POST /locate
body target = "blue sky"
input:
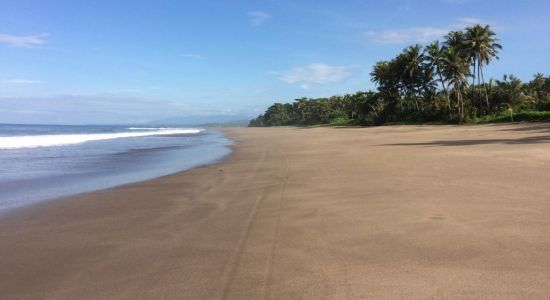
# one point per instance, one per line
(77, 61)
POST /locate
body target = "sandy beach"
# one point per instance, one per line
(392, 212)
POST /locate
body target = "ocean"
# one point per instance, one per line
(43, 162)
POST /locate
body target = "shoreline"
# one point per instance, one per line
(115, 169)
(382, 212)
(35, 204)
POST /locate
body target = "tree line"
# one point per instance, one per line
(438, 82)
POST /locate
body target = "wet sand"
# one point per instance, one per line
(316, 213)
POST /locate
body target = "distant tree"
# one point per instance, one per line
(455, 40)
(412, 72)
(481, 44)
(510, 91)
(539, 87)
(386, 75)
(408, 88)
(436, 60)
(456, 71)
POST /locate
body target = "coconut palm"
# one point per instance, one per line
(482, 46)
(455, 39)
(473, 38)
(435, 59)
(412, 72)
(537, 86)
(511, 91)
(388, 75)
(379, 73)
(456, 71)
(385, 75)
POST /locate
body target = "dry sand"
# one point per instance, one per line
(320, 213)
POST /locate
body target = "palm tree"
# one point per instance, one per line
(482, 46)
(435, 59)
(510, 91)
(413, 62)
(473, 38)
(456, 71)
(455, 39)
(537, 86)
(380, 74)
(301, 106)
(386, 76)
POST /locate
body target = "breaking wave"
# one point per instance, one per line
(33, 141)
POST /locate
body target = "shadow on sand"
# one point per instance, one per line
(520, 141)
(544, 127)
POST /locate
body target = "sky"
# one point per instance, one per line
(115, 61)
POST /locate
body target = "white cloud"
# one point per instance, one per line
(467, 21)
(418, 34)
(193, 56)
(22, 81)
(258, 18)
(23, 40)
(317, 74)
(414, 34)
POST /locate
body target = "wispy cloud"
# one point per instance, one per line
(193, 56)
(414, 34)
(85, 109)
(129, 90)
(458, 1)
(22, 81)
(418, 34)
(23, 40)
(258, 18)
(316, 74)
(465, 21)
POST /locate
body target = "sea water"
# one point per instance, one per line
(43, 162)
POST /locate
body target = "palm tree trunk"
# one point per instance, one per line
(478, 84)
(461, 107)
(446, 94)
(460, 104)
(474, 100)
(485, 88)
(417, 106)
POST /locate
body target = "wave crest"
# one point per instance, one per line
(34, 141)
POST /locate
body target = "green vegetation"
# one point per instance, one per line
(437, 83)
(523, 116)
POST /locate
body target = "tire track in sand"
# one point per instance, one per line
(234, 261)
(269, 268)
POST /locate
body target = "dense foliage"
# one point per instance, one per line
(439, 82)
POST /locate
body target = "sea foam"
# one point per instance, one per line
(33, 141)
(149, 128)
